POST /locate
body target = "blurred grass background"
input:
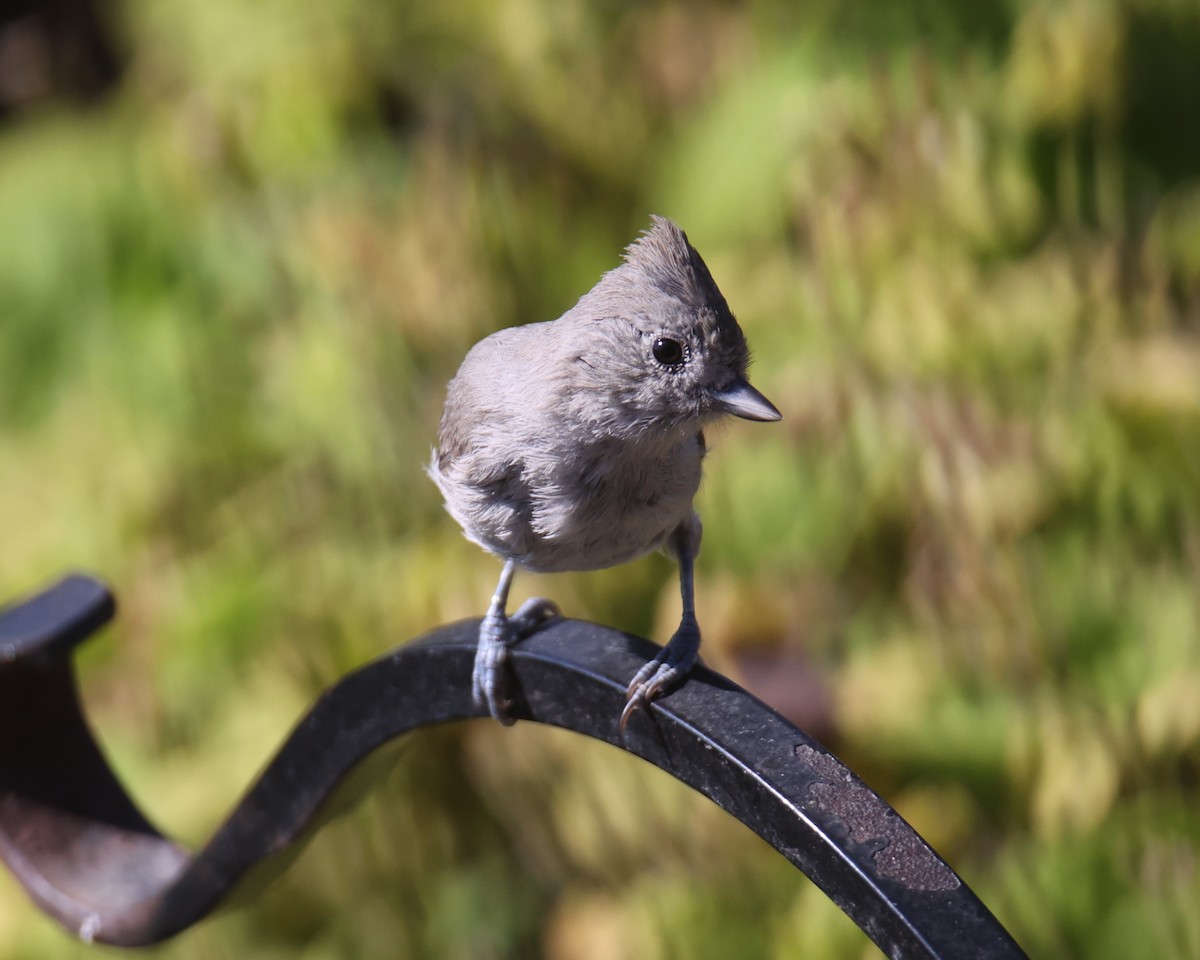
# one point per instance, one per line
(243, 246)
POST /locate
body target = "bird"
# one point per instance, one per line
(576, 444)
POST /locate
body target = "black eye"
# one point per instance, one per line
(668, 351)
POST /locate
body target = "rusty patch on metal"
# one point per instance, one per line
(902, 854)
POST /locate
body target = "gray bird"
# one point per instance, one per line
(575, 444)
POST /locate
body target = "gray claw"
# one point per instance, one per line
(487, 676)
(532, 614)
(496, 634)
(672, 663)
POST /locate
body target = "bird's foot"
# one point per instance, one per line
(669, 667)
(487, 677)
(532, 614)
(497, 633)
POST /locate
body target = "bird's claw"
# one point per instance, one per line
(497, 633)
(532, 614)
(672, 663)
(654, 678)
(487, 677)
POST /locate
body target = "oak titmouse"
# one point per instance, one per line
(575, 444)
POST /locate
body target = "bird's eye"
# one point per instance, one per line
(668, 351)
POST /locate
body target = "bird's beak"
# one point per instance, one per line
(742, 400)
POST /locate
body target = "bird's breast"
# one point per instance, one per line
(610, 503)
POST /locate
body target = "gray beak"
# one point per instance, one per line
(742, 400)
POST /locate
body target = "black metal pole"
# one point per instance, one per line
(87, 856)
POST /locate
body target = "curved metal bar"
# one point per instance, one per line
(89, 858)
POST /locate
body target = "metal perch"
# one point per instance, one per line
(90, 859)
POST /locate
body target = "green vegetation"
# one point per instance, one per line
(964, 241)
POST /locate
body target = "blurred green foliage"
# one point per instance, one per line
(964, 240)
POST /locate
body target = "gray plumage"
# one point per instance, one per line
(576, 444)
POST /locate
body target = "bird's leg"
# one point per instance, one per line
(487, 677)
(678, 657)
(497, 632)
